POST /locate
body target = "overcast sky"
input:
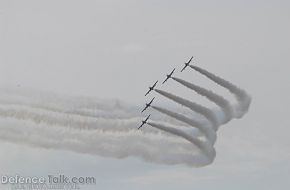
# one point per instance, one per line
(115, 49)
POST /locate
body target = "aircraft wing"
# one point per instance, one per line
(148, 92)
(151, 101)
(141, 125)
(155, 84)
(183, 68)
(147, 118)
(144, 109)
(165, 80)
(190, 59)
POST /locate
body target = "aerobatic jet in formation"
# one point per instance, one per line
(151, 88)
(148, 105)
(144, 122)
(169, 76)
(186, 64)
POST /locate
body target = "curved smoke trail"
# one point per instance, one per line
(217, 99)
(44, 126)
(204, 129)
(203, 146)
(244, 100)
(206, 112)
(108, 128)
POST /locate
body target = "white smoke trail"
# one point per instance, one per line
(83, 106)
(66, 120)
(114, 137)
(116, 144)
(203, 146)
(204, 128)
(217, 99)
(244, 100)
(207, 113)
(108, 128)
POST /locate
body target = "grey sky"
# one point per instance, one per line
(118, 48)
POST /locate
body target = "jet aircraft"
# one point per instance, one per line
(151, 88)
(186, 64)
(169, 76)
(148, 105)
(144, 122)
